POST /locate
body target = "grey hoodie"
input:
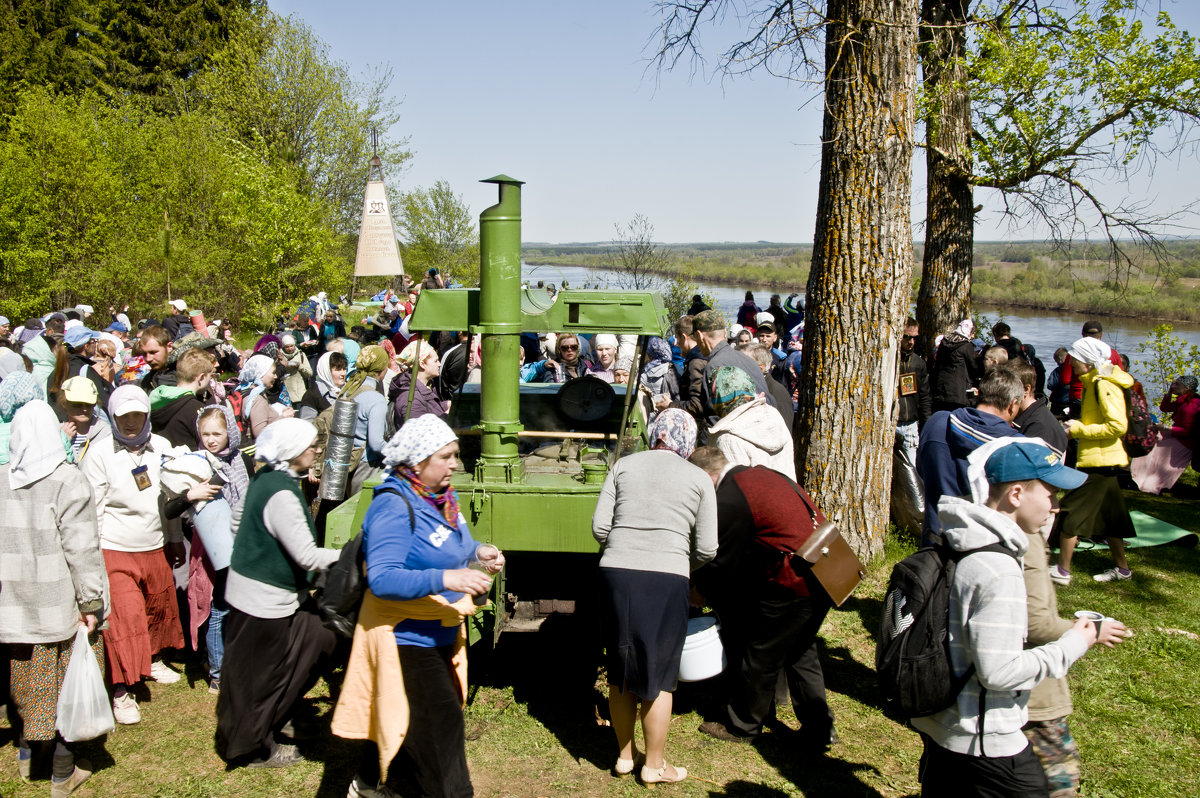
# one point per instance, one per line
(987, 627)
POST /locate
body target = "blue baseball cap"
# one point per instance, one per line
(1023, 462)
(79, 335)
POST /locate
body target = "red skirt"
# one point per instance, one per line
(145, 616)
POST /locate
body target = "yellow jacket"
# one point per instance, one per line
(373, 704)
(1104, 418)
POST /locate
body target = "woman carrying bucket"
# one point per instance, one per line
(649, 548)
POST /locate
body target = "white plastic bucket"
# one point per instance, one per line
(703, 655)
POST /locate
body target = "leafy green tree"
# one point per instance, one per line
(111, 46)
(1043, 101)
(276, 82)
(1167, 357)
(87, 186)
(61, 44)
(438, 231)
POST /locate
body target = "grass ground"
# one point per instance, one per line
(534, 728)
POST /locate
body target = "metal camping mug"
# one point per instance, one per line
(482, 598)
(1090, 615)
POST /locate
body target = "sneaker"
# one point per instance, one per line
(1060, 577)
(1113, 575)
(82, 772)
(160, 673)
(125, 710)
(360, 789)
(214, 687)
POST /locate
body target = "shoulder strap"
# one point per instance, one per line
(412, 518)
(804, 497)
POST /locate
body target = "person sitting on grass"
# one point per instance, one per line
(1161, 469)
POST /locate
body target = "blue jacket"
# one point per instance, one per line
(948, 437)
(406, 558)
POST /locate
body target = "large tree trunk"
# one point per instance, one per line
(861, 275)
(945, 295)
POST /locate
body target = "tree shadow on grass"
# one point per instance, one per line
(812, 773)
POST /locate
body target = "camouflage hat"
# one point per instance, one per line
(192, 340)
(708, 321)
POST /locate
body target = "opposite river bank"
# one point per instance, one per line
(1046, 330)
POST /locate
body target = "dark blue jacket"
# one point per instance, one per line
(949, 436)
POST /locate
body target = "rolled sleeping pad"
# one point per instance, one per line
(335, 474)
(198, 321)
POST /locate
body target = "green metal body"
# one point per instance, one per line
(536, 507)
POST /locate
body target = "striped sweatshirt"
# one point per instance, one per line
(988, 620)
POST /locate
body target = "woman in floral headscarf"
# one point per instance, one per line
(256, 378)
(1161, 469)
(17, 390)
(649, 547)
(658, 375)
(750, 432)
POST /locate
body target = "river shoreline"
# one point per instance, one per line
(784, 288)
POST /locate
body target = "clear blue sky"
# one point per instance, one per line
(561, 94)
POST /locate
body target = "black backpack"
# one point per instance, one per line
(340, 593)
(912, 647)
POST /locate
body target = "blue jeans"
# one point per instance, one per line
(216, 641)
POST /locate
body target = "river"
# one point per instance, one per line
(1044, 330)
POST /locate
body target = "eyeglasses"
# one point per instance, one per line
(569, 348)
(909, 337)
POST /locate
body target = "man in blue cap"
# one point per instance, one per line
(976, 746)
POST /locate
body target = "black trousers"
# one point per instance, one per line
(946, 774)
(269, 665)
(764, 638)
(436, 739)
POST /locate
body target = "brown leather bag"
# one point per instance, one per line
(833, 562)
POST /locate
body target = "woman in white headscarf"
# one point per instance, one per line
(296, 368)
(126, 480)
(420, 557)
(275, 643)
(54, 581)
(957, 370)
(1096, 509)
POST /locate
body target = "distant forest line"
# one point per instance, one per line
(1025, 274)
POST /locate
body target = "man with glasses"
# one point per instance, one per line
(915, 402)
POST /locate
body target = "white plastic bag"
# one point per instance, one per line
(83, 709)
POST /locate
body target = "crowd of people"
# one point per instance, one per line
(993, 451)
(160, 482)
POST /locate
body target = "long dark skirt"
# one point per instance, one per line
(269, 665)
(645, 623)
(1095, 510)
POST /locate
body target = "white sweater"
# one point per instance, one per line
(130, 519)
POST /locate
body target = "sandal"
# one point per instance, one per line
(659, 775)
(626, 766)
